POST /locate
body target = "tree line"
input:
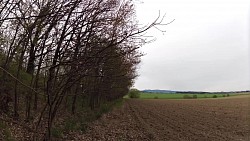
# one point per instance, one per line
(55, 52)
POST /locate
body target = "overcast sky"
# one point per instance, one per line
(206, 48)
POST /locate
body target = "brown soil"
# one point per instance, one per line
(225, 119)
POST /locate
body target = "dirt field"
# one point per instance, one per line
(224, 119)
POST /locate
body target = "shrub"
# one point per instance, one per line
(134, 93)
(223, 95)
(227, 95)
(214, 96)
(187, 97)
(194, 96)
(156, 97)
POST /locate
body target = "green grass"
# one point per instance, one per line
(6, 132)
(85, 116)
(177, 96)
(56, 132)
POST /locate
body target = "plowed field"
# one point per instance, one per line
(225, 119)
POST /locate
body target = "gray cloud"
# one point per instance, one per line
(206, 48)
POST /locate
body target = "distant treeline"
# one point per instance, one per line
(189, 92)
(192, 92)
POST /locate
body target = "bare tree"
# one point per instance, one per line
(82, 49)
